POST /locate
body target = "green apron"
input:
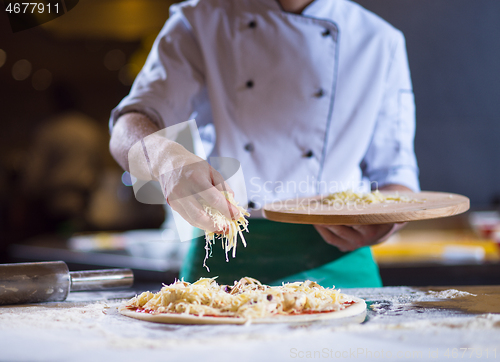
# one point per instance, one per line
(279, 252)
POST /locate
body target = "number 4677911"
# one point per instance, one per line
(25, 8)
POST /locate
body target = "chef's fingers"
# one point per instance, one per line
(216, 199)
(192, 211)
(374, 234)
(348, 238)
(352, 236)
(219, 182)
(334, 239)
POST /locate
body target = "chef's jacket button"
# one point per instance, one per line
(249, 84)
(320, 93)
(309, 154)
(251, 205)
(249, 147)
(252, 24)
(326, 32)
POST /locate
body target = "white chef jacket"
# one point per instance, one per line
(311, 103)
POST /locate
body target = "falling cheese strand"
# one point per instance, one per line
(230, 228)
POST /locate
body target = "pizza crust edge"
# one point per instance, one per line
(169, 318)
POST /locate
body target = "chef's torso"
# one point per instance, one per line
(310, 103)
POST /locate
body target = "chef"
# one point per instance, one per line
(309, 96)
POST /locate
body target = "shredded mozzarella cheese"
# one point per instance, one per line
(230, 229)
(374, 197)
(247, 298)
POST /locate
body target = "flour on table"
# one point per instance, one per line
(52, 315)
(450, 293)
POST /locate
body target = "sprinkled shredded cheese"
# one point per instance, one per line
(374, 197)
(247, 298)
(230, 228)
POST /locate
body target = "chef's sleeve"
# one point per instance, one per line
(390, 158)
(167, 87)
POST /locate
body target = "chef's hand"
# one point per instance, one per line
(186, 179)
(349, 238)
(352, 237)
(191, 182)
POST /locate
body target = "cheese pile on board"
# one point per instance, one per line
(375, 197)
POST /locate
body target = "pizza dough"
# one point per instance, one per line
(356, 309)
(206, 302)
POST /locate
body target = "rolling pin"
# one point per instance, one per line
(52, 281)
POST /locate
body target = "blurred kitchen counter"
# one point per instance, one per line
(439, 252)
(432, 252)
(146, 252)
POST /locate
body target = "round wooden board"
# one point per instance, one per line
(356, 309)
(426, 205)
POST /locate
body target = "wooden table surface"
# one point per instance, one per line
(408, 322)
(483, 299)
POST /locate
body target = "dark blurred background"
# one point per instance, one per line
(58, 84)
(59, 81)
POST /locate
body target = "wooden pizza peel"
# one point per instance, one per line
(423, 205)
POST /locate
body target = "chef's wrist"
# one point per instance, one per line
(152, 154)
(168, 157)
